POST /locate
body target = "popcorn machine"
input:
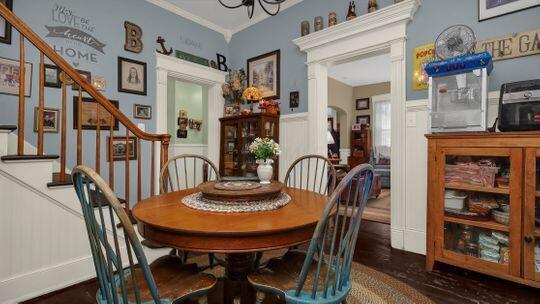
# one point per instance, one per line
(458, 93)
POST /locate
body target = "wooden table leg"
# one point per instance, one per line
(237, 289)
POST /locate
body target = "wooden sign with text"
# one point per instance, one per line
(511, 46)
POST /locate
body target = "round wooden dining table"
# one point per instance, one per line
(165, 220)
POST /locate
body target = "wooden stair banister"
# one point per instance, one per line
(68, 72)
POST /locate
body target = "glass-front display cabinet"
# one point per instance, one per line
(237, 134)
(483, 203)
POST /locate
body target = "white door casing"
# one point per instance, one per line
(167, 66)
(383, 31)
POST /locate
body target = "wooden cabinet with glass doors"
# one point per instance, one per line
(484, 203)
(237, 133)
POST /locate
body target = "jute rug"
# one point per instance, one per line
(369, 286)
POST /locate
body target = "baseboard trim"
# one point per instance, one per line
(396, 238)
(415, 240)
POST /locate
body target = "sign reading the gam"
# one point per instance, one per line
(512, 46)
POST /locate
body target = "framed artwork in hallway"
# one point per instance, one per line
(264, 73)
(488, 9)
(362, 104)
(51, 120)
(131, 76)
(10, 77)
(120, 148)
(91, 112)
(5, 27)
(142, 111)
(363, 120)
(52, 76)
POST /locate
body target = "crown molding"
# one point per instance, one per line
(285, 5)
(192, 17)
(227, 33)
(400, 12)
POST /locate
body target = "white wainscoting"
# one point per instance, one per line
(178, 149)
(414, 233)
(293, 140)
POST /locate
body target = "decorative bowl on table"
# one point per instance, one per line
(237, 185)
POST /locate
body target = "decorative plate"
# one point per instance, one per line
(196, 201)
(237, 185)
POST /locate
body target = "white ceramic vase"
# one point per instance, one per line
(265, 171)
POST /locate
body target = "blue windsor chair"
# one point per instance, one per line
(166, 280)
(182, 172)
(322, 275)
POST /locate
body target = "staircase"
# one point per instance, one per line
(44, 240)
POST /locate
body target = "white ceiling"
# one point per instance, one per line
(211, 14)
(375, 69)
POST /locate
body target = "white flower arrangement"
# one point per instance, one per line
(264, 148)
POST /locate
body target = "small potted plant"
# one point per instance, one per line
(265, 151)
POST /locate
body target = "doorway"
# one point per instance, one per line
(359, 98)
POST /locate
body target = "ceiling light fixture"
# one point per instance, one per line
(250, 5)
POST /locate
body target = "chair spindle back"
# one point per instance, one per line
(335, 237)
(101, 210)
(312, 172)
(187, 171)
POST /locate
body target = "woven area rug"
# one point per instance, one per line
(369, 286)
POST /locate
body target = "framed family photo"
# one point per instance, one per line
(10, 77)
(51, 120)
(294, 99)
(362, 104)
(488, 9)
(142, 111)
(5, 27)
(120, 147)
(231, 110)
(89, 114)
(52, 76)
(264, 73)
(131, 76)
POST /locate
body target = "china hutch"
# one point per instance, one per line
(484, 203)
(360, 147)
(237, 133)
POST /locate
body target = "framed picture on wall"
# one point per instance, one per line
(5, 27)
(294, 99)
(120, 147)
(142, 111)
(131, 76)
(263, 73)
(52, 76)
(488, 9)
(10, 77)
(51, 120)
(87, 75)
(362, 104)
(89, 114)
(363, 120)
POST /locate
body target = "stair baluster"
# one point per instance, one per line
(22, 84)
(41, 102)
(62, 174)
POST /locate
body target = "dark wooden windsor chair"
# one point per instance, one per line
(313, 173)
(166, 280)
(186, 171)
(322, 275)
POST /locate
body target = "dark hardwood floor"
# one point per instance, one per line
(446, 284)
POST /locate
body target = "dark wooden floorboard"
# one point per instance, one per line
(446, 284)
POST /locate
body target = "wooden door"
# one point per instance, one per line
(230, 163)
(481, 244)
(531, 216)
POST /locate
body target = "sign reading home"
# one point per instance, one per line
(512, 46)
(75, 36)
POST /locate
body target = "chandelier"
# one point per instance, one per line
(250, 5)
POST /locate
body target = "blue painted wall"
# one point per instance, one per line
(432, 18)
(107, 17)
